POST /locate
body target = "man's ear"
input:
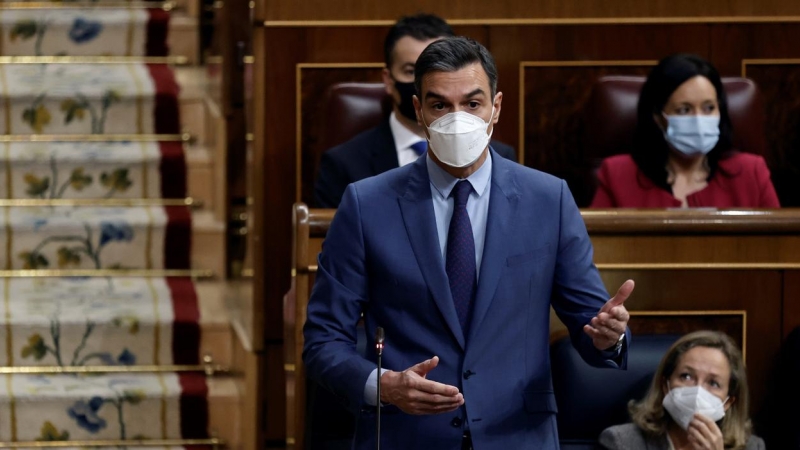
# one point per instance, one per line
(388, 82)
(418, 110)
(498, 103)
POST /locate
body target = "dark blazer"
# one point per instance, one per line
(381, 258)
(370, 153)
(631, 437)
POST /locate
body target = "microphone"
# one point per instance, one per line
(379, 337)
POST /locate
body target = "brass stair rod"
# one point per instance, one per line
(102, 4)
(213, 442)
(173, 60)
(212, 369)
(184, 137)
(101, 202)
(142, 273)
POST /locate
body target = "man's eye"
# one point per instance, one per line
(474, 105)
(438, 106)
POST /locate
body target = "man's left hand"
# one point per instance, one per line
(612, 320)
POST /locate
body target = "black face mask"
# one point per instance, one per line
(407, 91)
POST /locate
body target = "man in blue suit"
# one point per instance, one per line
(399, 139)
(459, 257)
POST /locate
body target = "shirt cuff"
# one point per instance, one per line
(613, 354)
(371, 387)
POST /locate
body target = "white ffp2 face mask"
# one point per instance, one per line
(683, 402)
(459, 138)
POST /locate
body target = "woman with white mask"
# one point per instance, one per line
(698, 400)
(682, 153)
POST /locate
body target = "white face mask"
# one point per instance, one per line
(459, 138)
(683, 402)
(692, 135)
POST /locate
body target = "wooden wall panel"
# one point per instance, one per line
(313, 85)
(512, 45)
(289, 10)
(780, 85)
(555, 96)
(678, 323)
(791, 305)
(759, 293)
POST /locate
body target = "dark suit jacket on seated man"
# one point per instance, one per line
(396, 141)
(370, 153)
(465, 306)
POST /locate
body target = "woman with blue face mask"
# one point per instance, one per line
(697, 400)
(682, 154)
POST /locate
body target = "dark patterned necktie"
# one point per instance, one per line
(420, 147)
(460, 262)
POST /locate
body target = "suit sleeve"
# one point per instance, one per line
(578, 291)
(602, 196)
(610, 440)
(335, 306)
(331, 182)
(767, 196)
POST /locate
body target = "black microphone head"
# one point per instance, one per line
(379, 336)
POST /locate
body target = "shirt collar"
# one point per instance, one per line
(403, 137)
(444, 183)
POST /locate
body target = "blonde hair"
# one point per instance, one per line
(649, 414)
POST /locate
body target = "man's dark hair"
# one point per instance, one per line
(452, 54)
(650, 149)
(420, 27)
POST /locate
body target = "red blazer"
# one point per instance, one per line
(742, 182)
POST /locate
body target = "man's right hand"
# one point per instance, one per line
(413, 394)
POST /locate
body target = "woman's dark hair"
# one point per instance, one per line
(650, 149)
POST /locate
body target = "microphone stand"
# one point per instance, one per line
(379, 337)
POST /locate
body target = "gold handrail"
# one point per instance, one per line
(213, 442)
(173, 60)
(101, 202)
(143, 273)
(184, 137)
(210, 370)
(166, 6)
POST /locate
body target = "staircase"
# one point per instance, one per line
(113, 332)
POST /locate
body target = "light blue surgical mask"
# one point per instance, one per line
(692, 135)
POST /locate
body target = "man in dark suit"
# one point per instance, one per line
(458, 257)
(398, 140)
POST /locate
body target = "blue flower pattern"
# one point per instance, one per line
(126, 358)
(84, 30)
(115, 231)
(85, 414)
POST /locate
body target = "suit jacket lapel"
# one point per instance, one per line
(384, 152)
(502, 207)
(417, 209)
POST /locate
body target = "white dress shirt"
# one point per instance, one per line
(403, 140)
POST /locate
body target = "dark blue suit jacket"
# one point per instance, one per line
(368, 154)
(381, 257)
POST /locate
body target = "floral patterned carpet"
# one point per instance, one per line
(104, 321)
(84, 32)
